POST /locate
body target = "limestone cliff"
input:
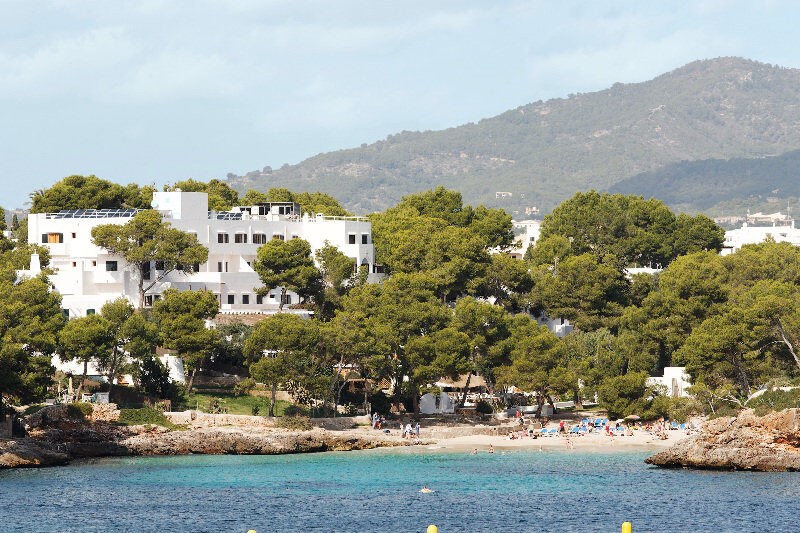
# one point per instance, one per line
(746, 442)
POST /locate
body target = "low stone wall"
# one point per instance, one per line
(200, 419)
(341, 422)
(206, 420)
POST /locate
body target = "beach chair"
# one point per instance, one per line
(574, 430)
(553, 432)
(598, 423)
(682, 426)
(584, 421)
(674, 425)
(543, 432)
(583, 429)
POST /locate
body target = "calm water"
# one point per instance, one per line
(378, 491)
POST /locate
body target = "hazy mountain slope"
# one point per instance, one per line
(700, 185)
(720, 108)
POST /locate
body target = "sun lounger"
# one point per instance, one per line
(574, 430)
(552, 432)
(682, 426)
(674, 425)
(543, 431)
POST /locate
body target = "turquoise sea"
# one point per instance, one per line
(378, 491)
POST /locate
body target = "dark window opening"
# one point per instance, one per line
(365, 239)
(240, 238)
(246, 299)
(230, 298)
(351, 239)
(111, 266)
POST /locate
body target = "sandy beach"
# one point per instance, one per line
(640, 440)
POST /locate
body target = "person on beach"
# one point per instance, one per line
(408, 430)
(416, 429)
(491, 448)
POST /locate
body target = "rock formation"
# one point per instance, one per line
(746, 442)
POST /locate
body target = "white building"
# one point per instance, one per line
(87, 276)
(527, 233)
(675, 379)
(736, 238)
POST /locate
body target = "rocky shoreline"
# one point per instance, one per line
(56, 436)
(746, 442)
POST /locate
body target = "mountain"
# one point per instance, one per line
(711, 183)
(544, 152)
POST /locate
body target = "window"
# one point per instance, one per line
(74, 264)
(89, 312)
(259, 299)
(111, 266)
(146, 271)
(351, 239)
(159, 265)
(65, 313)
(230, 298)
(219, 266)
(277, 236)
(148, 300)
(246, 299)
(295, 236)
(52, 238)
(259, 238)
(287, 299)
(364, 239)
(240, 238)
(74, 235)
(94, 263)
(223, 237)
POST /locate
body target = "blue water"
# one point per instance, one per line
(378, 491)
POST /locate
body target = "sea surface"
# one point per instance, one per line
(378, 490)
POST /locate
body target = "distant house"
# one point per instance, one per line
(747, 234)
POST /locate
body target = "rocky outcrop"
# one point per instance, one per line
(243, 441)
(19, 453)
(746, 442)
(60, 433)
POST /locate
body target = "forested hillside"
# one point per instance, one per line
(545, 151)
(708, 184)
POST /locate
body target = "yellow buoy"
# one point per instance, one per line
(627, 527)
(251, 531)
(432, 529)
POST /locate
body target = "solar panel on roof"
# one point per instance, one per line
(94, 213)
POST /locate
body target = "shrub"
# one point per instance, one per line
(244, 387)
(79, 410)
(294, 422)
(254, 410)
(294, 410)
(143, 416)
(483, 407)
(775, 400)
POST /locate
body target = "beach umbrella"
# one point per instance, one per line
(632, 417)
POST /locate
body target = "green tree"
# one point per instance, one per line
(221, 197)
(288, 265)
(338, 275)
(624, 395)
(89, 192)
(536, 366)
(30, 319)
(181, 319)
(589, 292)
(85, 339)
(443, 353)
(488, 329)
(635, 230)
(133, 336)
(145, 239)
(508, 281)
(282, 346)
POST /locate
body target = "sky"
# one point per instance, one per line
(153, 92)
